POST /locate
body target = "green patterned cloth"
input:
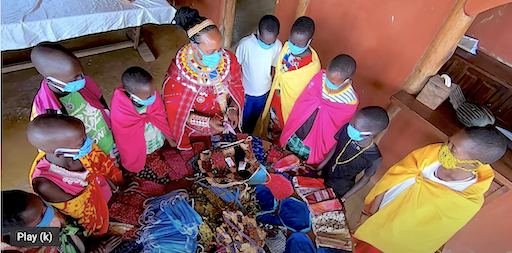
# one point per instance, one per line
(295, 145)
(95, 125)
(155, 139)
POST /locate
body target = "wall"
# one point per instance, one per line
(387, 38)
(211, 9)
(494, 30)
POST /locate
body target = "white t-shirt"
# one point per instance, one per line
(256, 63)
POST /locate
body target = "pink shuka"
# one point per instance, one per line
(329, 119)
(72, 182)
(128, 128)
(46, 100)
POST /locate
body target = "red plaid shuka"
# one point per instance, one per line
(185, 93)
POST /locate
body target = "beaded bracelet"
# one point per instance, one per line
(200, 121)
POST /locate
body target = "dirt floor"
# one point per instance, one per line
(19, 88)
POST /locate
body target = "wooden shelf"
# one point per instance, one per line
(443, 123)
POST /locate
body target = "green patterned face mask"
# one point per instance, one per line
(448, 161)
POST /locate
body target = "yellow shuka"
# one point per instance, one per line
(427, 214)
(291, 84)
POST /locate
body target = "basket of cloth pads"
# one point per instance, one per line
(328, 215)
(212, 203)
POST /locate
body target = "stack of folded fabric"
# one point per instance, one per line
(329, 223)
(170, 224)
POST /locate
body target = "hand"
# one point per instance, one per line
(172, 142)
(362, 219)
(130, 187)
(106, 246)
(217, 125)
(233, 118)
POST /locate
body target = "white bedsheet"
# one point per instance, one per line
(25, 23)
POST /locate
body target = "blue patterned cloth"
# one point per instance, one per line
(257, 148)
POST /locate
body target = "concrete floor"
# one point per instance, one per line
(19, 88)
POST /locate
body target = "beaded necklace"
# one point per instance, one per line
(351, 158)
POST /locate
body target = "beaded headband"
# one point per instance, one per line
(197, 28)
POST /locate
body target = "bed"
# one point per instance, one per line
(25, 23)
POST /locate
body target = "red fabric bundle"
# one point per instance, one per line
(325, 206)
(280, 187)
(131, 198)
(309, 182)
(179, 167)
(287, 163)
(198, 147)
(242, 136)
(186, 155)
(274, 155)
(320, 196)
(218, 160)
(149, 188)
(125, 213)
(156, 164)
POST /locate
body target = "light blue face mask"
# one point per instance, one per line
(261, 176)
(209, 60)
(355, 134)
(47, 217)
(295, 50)
(331, 85)
(70, 87)
(76, 153)
(144, 102)
(263, 44)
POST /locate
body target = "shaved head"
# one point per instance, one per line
(52, 59)
(48, 132)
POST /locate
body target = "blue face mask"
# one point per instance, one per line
(263, 44)
(356, 135)
(47, 217)
(144, 102)
(295, 50)
(331, 85)
(70, 87)
(209, 60)
(76, 153)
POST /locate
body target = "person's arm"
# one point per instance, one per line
(215, 123)
(233, 115)
(49, 191)
(104, 102)
(272, 72)
(171, 141)
(368, 173)
(327, 158)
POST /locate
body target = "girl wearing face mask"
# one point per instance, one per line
(297, 64)
(141, 130)
(31, 211)
(203, 92)
(71, 172)
(65, 89)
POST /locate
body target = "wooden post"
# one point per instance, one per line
(228, 21)
(441, 49)
(393, 109)
(301, 8)
(137, 37)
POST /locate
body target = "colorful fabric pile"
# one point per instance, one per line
(240, 233)
(329, 223)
